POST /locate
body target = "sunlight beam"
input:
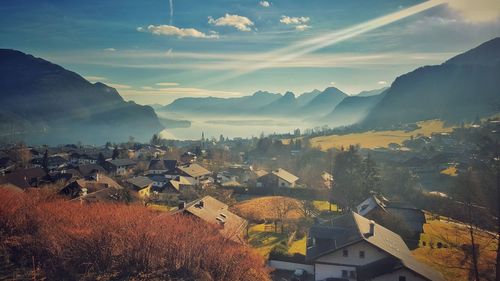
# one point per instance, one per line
(308, 46)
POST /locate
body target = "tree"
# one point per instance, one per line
(100, 159)
(116, 153)
(155, 140)
(347, 171)
(45, 161)
(307, 208)
(370, 175)
(281, 208)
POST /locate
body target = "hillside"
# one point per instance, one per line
(460, 90)
(45, 103)
(351, 110)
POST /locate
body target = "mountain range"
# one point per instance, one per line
(46, 103)
(460, 90)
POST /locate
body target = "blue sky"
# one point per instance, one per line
(155, 51)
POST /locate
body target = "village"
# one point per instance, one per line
(289, 201)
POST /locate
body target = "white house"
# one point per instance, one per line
(355, 248)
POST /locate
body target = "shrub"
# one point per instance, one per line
(73, 241)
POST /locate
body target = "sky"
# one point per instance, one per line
(154, 51)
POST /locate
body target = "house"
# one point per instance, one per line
(413, 218)
(85, 187)
(141, 184)
(6, 165)
(53, 162)
(161, 166)
(188, 158)
(195, 171)
(278, 178)
(87, 169)
(120, 166)
(82, 159)
(149, 150)
(216, 213)
(355, 248)
(25, 178)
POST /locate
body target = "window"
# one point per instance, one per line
(344, 273)
(361, 254)
(352, 274)
(345, 253)
(402, 278)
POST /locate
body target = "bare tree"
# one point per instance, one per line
(281, 208)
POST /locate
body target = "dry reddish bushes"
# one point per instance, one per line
(73, 241)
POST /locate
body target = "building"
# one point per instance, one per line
(216, 213)
(413, 218)
(195, 171)
(141, 184)
(355, 248)
(25, 178)
(278, 178)
(161, 166)
(120, 166)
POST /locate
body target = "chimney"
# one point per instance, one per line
(182, 205)
(371, 232)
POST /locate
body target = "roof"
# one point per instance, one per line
(371, 203)
(23, 178)
(87, 169)
(260, 173)
(231, 183)
(194, 170)
(140, 182)
(160, 164)
(352, 228)
(285, 175)
(122, 162)
(215, 212)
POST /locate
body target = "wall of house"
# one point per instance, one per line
(282, 183)
(410, 276)
(324, 271)
(371, 254)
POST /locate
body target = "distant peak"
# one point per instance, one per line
(289, 95)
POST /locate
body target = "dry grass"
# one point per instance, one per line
(374, 139)
(450, 259)
(262, 208)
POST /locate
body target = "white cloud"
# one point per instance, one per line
(332, 83)
(382, 82)
(95, 78)
(170, 30)
(264, 4)
(294, 20)
(477, 10)
(119, 86)
(147, 88)
(302, 27)
(110, 49)
(167, 84)
(239, 22)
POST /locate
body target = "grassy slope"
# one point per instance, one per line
(374, 139)
(449, 260)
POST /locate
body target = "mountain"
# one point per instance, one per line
(285, 105)
(221, 106)
(305, 98)
(372, 92)
(461, 89)
(45, 103)
(323, 103)
(351, 110)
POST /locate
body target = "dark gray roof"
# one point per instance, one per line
(140, 182)
(352, 228)
(122, 162)
(87, 169)
(160, 164)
